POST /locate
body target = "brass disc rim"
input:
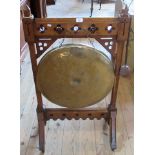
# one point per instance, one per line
(52, 52)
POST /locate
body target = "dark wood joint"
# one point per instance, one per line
(41, 117)
(112, 109)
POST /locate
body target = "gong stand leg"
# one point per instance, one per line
(40, 110)
(113, 130)
(112, 106)
(41, 130)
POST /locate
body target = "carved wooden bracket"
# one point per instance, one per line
(43, 44)
(108, 44)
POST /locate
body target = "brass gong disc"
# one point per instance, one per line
(75, 76)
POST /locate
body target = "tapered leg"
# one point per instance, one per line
(41, 124)
(113, 130)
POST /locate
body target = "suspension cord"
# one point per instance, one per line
(62, 42)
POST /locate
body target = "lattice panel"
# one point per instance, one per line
(42, 45)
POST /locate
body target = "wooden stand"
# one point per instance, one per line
(111, 33)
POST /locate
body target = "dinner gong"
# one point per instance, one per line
(75, 76)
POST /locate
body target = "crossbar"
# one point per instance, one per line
(62, 113)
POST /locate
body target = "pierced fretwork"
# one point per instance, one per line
(108, 44)
(43, 44)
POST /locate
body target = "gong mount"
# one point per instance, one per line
(39, 29)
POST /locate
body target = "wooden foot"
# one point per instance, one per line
(41, 124)
(113, 130)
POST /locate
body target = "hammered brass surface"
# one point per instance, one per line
(75, 76)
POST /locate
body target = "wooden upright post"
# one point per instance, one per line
(40, 110)
(112, 107)
(122, 36)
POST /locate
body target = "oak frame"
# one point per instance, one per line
(119, 36)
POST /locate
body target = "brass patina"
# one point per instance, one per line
(75, 76)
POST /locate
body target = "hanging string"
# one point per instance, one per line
(90, 39)
(91, 42)
(62, 42)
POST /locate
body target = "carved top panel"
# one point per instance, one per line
(85, 27)
(77, 28)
